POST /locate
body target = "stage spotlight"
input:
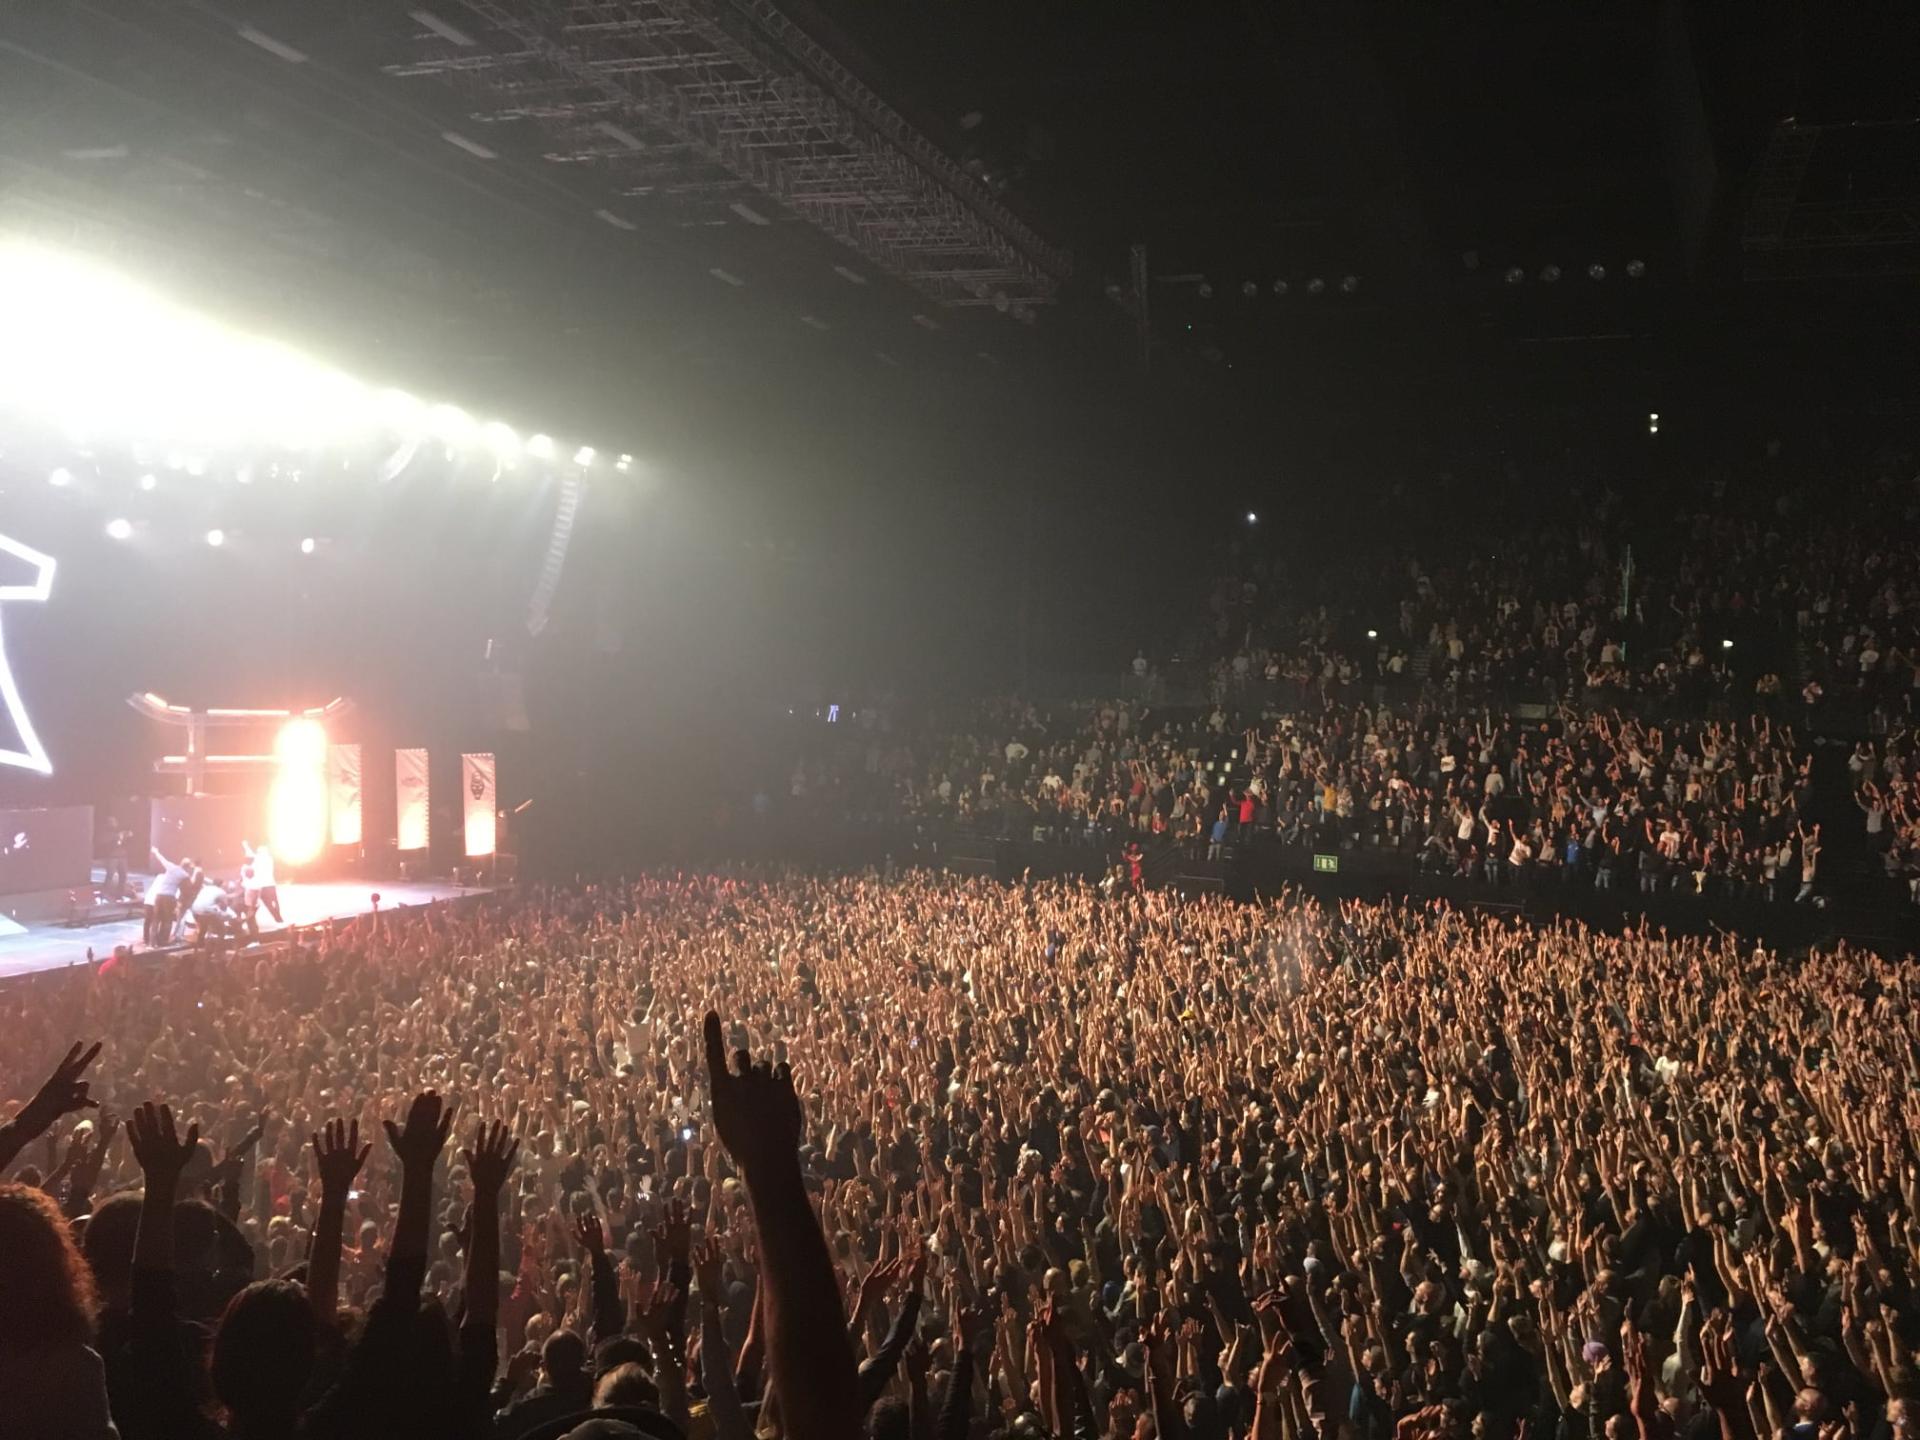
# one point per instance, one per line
(1316, 286)
(120, 529)
(540, 447)
(1279, 287)
(60, 478)
(1253, 518)
(1726, 644)
(1550, 273)
(307, 546)
(504, 443)
(623, 464)
(1249, 289)
(1206, 290)
(1349, 284)
(297, 800)
(1653, 423)
(1515, 275)
(149, 482)
(452, 424)
(583, 456)
(301, 741)
(1596, 271)
(1636, 268)
(216, 538)
(1373, 634)
(399, 409)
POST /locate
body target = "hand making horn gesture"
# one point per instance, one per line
(755, 1109)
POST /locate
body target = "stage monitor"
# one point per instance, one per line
(46, 849)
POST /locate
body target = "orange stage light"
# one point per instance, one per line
(297, 800)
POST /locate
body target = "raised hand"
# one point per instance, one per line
(85, 1163)
(63, 1093)
(655, 1317)
(707, 1261)
(159, 1147)
(877, 1282)
(673, 1236)
(917, 1361)
(591, 1234)
(429, 1122)
(970, 1327)
(490, 1160)
(338, 1156)
(235, 1159)
(755, 1110)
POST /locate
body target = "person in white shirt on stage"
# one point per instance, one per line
(163, 898)
(213, 914)
(262, 887)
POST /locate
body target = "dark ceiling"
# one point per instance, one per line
(1423, 151)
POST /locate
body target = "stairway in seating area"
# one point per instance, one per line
(1849, 871)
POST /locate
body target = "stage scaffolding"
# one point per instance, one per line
(714, 103)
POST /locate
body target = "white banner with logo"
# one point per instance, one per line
(344, 791)
(412, 817)
(477, 780)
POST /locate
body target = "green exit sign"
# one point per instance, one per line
(1326, 864)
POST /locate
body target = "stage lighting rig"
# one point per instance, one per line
(92, 353)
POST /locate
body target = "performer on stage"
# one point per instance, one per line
(118, 838)
(213, 914)
(163, 898)
(261, 886)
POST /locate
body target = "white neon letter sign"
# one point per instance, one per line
(34, 755)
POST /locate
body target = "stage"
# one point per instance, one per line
(27, 949)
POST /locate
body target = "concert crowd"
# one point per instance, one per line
(1582, 699)
(953, 1158)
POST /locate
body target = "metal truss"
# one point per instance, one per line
(711, 101)
(1777, 179)
(1786, 237)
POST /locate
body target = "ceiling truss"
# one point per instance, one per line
(718, 101)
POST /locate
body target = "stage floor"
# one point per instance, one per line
(24, 950)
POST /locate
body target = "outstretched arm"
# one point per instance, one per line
(716, 1359)
(758, 1119)
(378, 1381)
(63, 1093)
(418, 1145)
(338, 1156)
(489, 1163)
(609, 1315)
(160, 1376)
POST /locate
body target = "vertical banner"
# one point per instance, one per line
(411, 816)
(343, 785)
(477, 781)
